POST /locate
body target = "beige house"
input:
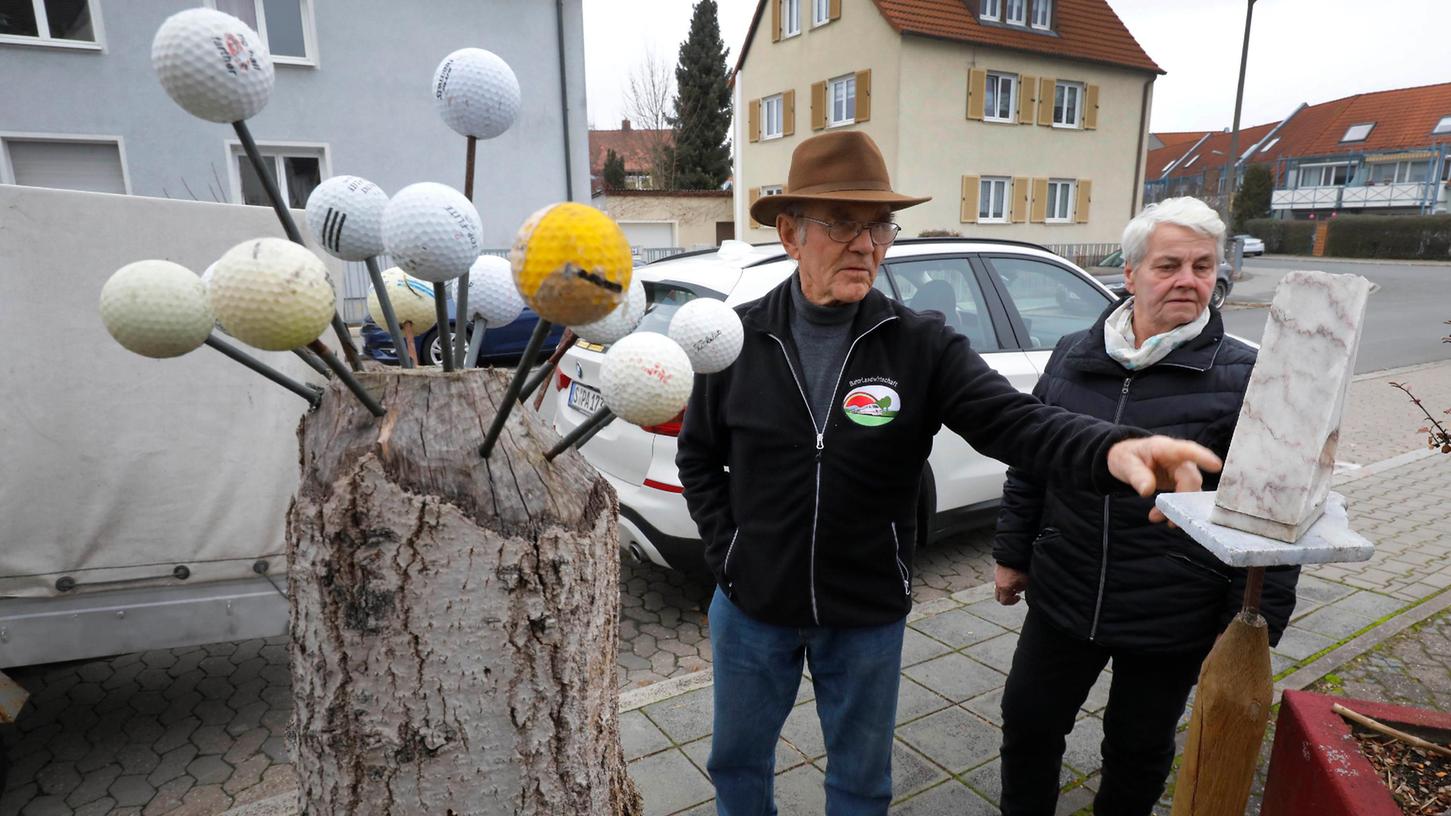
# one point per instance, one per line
(1023, 119)
(657, 219)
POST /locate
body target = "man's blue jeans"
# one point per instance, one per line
(757, 669)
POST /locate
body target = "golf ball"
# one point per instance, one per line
(272, 294)
(432, 231)
(646, 378)
(411, 299)
(212, 65)
(476, 93)
(710, 332)
(571, 263)
(492, 296)
(620, 322)
(156, 308)
(345, 214)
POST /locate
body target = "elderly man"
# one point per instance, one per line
(808, 516)
(1103, 583)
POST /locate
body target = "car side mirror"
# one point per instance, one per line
(1119, 292)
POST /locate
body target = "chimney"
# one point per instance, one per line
(624, 124)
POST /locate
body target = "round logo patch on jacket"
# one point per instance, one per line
(872, 405)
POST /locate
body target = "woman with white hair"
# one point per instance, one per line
(1101, 581)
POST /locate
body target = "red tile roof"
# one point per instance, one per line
(1180, 137)
(1212, 152)
(1404, 118)
(632, 144)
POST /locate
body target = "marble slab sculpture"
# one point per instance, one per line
(1278, 471)
(1329, 539)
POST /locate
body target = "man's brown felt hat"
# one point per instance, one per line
(841, 166)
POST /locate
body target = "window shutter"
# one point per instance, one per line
(833, 11)
(818, 105)
(753, 119)
(1040, 201)
(751, 196)
(1045, 100)
(775, 20)
(1090, 108)
(1027, 95)
(1020, 199)
(788, 113)
(1085, 197)
(864, 95)
(970, 189)
(976, 92)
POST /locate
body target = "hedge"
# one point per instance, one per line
(1283, 237)
(1390, 236)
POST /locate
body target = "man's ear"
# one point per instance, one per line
(786, 231)
(1128, 279)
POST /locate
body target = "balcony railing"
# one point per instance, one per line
(1408, 194)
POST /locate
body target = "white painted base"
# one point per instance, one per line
(1329, 539)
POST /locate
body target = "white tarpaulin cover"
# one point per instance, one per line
(116, 466)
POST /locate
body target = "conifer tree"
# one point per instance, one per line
(702, 159)
(613, 171)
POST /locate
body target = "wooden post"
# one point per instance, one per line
(454, 618)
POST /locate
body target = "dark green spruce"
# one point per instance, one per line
(702, 105)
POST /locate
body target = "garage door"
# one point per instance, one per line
(650, 234)
(93, 166)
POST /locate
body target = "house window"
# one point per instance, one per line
(48, 22)
(1443, 126)
(68, 164)
(1191, 161)
(637, 181)
(1324, 175)
(990, 10)
(286, 26)
(1357, 133)
(1017, 12)
(773, 189)
(1060, 201)
(842, 93)
(1042, 13)
(820, 12)
(790, 18)
(1414, 172)
(1271, 143)
(992, 200)
(771, 108)
(1000, 104)
(298, 170)
(1067, 104)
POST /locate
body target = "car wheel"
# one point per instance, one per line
(1221, 291)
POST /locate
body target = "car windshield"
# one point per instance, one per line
(1116, 258)
(663, 297)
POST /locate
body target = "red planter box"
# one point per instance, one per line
(1316, 768)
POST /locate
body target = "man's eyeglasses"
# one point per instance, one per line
(844, 232)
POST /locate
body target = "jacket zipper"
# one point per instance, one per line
(1123, 398)
(725, 567)
(820, 443)
(901, 568)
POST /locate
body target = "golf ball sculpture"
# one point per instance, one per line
(272, 294)
(623, 320)
(213, 65)
(646, 378)
(476, 93)
(571, 263)
(156, 308)
(492, 296)
(710, 333)
(345, 214)
(432, 231)
(412, 300)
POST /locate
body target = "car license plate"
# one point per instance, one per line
(584, 398)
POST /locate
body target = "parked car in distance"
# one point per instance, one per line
(1012, 300)
(1252, 245)
(502, 346)
(1110, 272)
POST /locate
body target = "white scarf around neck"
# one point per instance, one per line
(1118, 338)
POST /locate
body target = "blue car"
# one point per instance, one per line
(502, 346)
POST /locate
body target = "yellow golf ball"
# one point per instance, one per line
(571, 263)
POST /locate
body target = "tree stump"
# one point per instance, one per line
(454, 619)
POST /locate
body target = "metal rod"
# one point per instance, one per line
(284, 215)
(1254, 585)
(440, 311)
(565, 341)
(312, 361)
(347, 377)
(476, 343)
(312, 394)
(389, 317)
(542, 375)
(582, 433)
(461, 303)
(511, 395)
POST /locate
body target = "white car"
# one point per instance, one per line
(1012, 300)
(1252, 245)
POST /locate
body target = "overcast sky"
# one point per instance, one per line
(1300, 51)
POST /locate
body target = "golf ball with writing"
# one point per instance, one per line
(156, 308)
(476, 93)
(212, 65)
(571, 263)
(646, 378)
(272, 294)
(621, 321)
(411, 299)
(710, 332)
(492, 296)
(345, 214)
(432, 231)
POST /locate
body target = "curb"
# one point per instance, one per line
(1365, 261)
(1362, 643)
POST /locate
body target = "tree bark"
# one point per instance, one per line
(454, 619)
